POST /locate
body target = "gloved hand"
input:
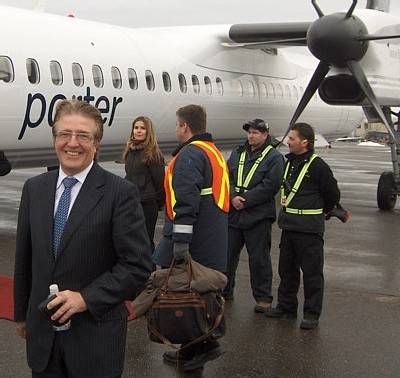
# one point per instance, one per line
(181, 251)
(338, 212)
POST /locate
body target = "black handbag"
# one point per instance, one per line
(177, 317)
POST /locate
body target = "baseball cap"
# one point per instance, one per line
(258, 124)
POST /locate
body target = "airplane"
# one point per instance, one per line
(359, 64)
(238, 72)
(148, 71)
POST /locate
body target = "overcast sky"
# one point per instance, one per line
(134, 13)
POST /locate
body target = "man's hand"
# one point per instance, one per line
(238, 202)
(181, 252)
(71, 303)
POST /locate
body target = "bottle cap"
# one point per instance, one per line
(53, 288)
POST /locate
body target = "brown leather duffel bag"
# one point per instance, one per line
(177, 317)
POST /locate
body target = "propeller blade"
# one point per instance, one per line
(358, 73)
(372, 37)
(351, 9)
(317, 8)
(312, 87)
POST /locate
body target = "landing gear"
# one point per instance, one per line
(389, 182)
(386, 194)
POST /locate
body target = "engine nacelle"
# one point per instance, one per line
(341, 89)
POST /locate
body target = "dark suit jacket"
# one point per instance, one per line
(104, 254)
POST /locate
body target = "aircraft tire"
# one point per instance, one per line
(386, 194)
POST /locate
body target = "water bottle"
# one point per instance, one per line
(57, 326)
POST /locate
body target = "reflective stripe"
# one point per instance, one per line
(303, 211)
(294, 190)
(240, 185)
(299, 179)
(206, 191)
(220, 179)
(220, 174)
(183, 228)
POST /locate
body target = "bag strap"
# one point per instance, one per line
(165, 341)
(164, 286)
(217, 321)
(209, 333)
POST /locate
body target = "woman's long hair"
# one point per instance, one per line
(151, 150)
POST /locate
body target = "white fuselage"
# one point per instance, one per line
(234, 85)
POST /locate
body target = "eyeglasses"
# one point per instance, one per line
(80, 137)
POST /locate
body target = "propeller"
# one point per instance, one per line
(339, 40)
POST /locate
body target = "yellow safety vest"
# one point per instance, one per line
(294, 189)
(241, 186)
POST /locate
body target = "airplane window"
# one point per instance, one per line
(133, 79)
(250, 88)
(196, 84)
(32, 69)
(287, 92)
(238, 87)
(56, 72)
(150, 80)
(167, 81)
(271, 91)
(77, 74)
(6, 69)
(279, 92)
(116, 77)
(182, 83)
(207, 83)
(220, 88)
(295, 94)
(98, 78)
(263, 90)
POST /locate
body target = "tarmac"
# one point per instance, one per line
(359, 330)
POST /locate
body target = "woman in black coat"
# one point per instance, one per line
(145, 167)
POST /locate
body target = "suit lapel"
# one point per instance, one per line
(47, 197)
(88, 197)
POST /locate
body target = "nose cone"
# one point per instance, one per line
(333, 39)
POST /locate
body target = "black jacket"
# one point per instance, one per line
(318, 190)
(148, 178)
(264, 185)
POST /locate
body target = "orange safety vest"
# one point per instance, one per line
(220, 180)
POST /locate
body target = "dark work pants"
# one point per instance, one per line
(258, 244)
(305, 251)
(150, 209)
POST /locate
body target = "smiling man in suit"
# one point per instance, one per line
(99, 255)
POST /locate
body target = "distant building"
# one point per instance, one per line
(375, 132)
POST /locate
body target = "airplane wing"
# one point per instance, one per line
(268, 35)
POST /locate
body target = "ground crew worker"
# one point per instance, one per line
(196, 214)
(255, 175)
(309, 191)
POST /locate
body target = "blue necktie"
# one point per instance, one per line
(62, 212)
